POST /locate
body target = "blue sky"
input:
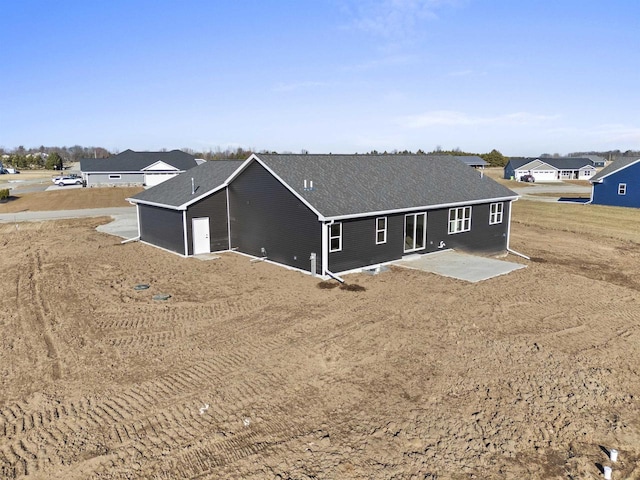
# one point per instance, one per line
(338, 76)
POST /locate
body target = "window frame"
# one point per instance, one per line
(622, 189)
(422, 244)
(461, 223)
(334, 237)
(495, 217)
(382, 231)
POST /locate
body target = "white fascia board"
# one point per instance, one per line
(242, 166)
(113, 172)
(155, 204)
(200, 197)
(540, 165)
(165, 166)
(420, 208)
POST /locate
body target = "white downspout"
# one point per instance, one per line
(509, 236)
(184, 229)
(228, 217)
(325, 248)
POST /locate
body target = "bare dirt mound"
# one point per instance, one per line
(252, 371)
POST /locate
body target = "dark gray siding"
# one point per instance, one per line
(161, 227)
(359, 247)
(483, 238)
(215, 207)
(264, 214)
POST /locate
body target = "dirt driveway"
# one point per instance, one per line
(251, 371)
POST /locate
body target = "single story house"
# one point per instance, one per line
(549, 169)
(618, 184)
(328, 214)
(135, 168)
(472, 160)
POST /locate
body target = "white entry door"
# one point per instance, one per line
(200, 231)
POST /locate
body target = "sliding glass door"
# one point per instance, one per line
(415, 231)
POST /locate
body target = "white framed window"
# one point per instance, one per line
(115, 177)
(335, 237)
(381, 230)
(459, 219)
(622, 189)
(495, 213)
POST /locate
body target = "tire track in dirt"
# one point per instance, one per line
(281, 426)
(34, 311)
(149, 416)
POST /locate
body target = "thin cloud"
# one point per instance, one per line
(450, 118)
(389, 18)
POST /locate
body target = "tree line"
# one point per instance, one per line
(56, 157)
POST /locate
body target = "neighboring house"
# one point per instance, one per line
(597, 161)
(472, 160)
(618, 184)
(135, 168)
(347, 211)
(550, 169)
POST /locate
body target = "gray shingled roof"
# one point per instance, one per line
(130, 161)
(176, 192)
(346, 185)
(472, 160)
(619, 164)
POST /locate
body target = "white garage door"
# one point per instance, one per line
(151, 179)
(544, 175)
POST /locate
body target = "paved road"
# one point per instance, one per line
(531, 192)
(61, 214)
(125, 223)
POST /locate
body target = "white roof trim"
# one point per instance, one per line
(160, 162)
(538, 163)
(421, 208)
(200, 197)
(119, 172)
(153, 204)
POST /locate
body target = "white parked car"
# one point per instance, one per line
(62, 181)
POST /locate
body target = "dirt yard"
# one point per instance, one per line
(70, 199)
(251, 371)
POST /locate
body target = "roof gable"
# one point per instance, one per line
(620, 164)
(354, 185)
(176, 193)
(159, 166)
(537, 164)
